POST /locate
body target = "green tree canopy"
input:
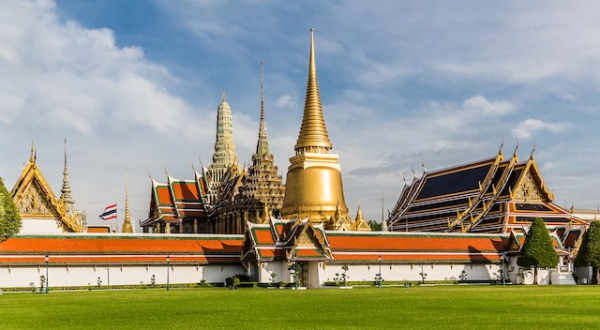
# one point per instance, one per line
(10, 221)
(589, 251)
(538, 251)
(375, 226)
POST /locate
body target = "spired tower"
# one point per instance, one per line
(314, 181)
(127, 224)
(261, 192)
(65, 192)
(262, 183)
(224, 158)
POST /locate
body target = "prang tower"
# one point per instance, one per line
(224, 157)
(314, 181)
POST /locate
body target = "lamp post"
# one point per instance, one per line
(168, 271)
(47, 259)
(379, 277)
(502, 270)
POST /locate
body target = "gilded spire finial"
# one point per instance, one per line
(313, 132)
(223, 96)
(359, 216)
(33, 156)
(532, 151)
(516, 148)
(127, 226)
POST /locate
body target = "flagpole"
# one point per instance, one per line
(116, 219)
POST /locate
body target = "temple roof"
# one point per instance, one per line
(121, 249)
(177, 199)
(291, 240)
(478, 197)
(35, 199)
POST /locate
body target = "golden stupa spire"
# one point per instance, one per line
(313, 135)
(359, 216)
(127, 227)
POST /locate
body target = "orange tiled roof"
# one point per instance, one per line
(416, 242)
(112, 248)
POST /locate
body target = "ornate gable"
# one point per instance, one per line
(34, 204)
(528, 190)
(530, 186)
(308, 246)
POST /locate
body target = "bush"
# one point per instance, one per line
(243, 277)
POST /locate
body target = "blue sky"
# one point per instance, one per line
(136, 84)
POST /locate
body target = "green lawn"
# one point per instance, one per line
(440, 307)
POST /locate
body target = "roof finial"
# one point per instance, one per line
(423, 165)
(33, 156)
(516, 148)
(501, 145)
(532, 151)
(404, 179)
(223, 96)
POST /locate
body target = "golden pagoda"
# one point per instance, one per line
(314, 180)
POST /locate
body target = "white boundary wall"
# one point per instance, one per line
(408, 272)
(115, 275)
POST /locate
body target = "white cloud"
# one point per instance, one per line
(285, 101)
(62, 74)
(528, 127)
(480, 103)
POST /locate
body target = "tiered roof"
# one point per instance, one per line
(290, 240)
(176, 200)
(493, 195)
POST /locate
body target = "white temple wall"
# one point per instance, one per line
(39, 226)
(115, 275)
(407, 272)
(279, 268)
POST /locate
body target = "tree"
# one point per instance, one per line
(375, 226)
(538, 251)
(10, 221)
(589, 252)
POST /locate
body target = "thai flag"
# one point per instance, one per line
(110, 212)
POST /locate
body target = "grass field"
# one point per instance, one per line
(440, 307)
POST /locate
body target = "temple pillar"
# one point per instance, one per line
(181, 227)
(195, 226)
(167, 228)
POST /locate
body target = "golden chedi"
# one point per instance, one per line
(314, 181)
